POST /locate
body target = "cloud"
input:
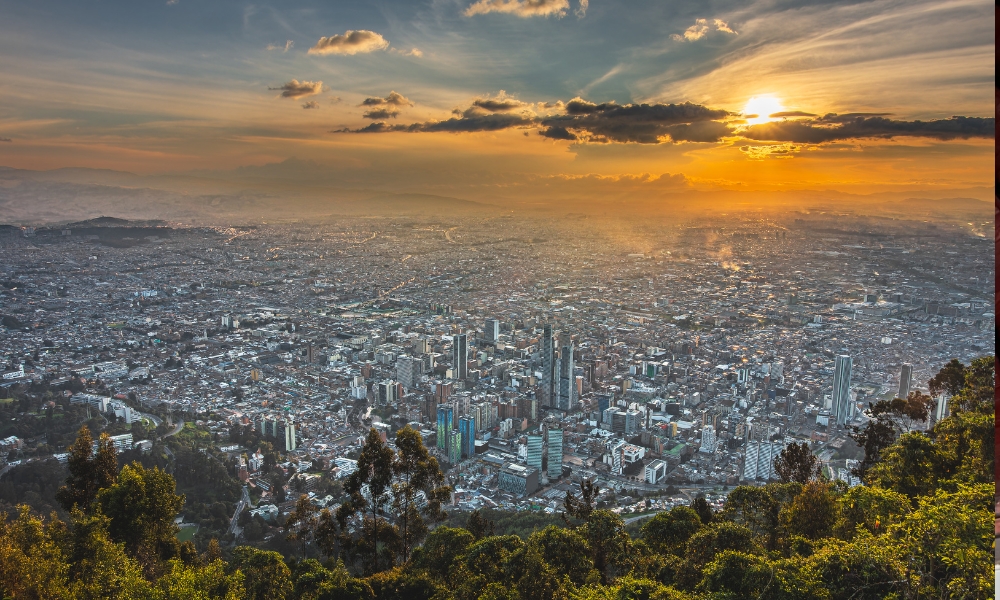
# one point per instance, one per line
(417, 52)
(311, 104)
(171, 2)
(381, 113)
(833, 127)
(557, 133)
(581, 120)
(791, 113)
(522, 8)
(502, 103)
(296, 89)
(393, 99)
(351, 42)
(701, 28)
(581, 9)
(284, 48)
(760, 152)
(640, 123)
(3, 139)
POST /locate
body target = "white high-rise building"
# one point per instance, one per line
(750, 461)
(460, 356)
(707, 439)
(905, 380)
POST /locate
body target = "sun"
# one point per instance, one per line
(760, 108)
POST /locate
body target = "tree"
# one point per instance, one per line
(608, 542)
(416, 473)
(668, 532)
(700, 506)
(909, 466)
(368, 489)
(141, 507)
(580, 508)
(565, 551)
(796, 462)
(949, 380)
(441, 551)
(301, 523)
(88, 472)
(875, 437)
(325, 533)
(208, 582)
(479, 526)
(267, 577)
(812, 513)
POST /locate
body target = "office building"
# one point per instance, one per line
(555, 455)
(633, 419)
(454, 446)
(408, 371)
(491, 330)
(460, 356)
(567, 378)
(707, 439)
(842, 405)
(905, 380)
(547, 386)
(386, 393)
(655, 472)
(467, 427)
(535, 446)
(445, 414)
(603, 403)
(750, 461)
(941, 407)
(518, 480)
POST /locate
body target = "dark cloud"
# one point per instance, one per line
(789, 113)
(296, 89)
(3, 139)
(832, 127)
(492, 122)
(349, 43)
(381, 113)
(503, 104)
(557, 133)
(311, 104)
(640, 123)
(393, 99)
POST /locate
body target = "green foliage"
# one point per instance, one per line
(668, 532)
(88, 471)
(266, 576)
(141, 507)
(796, 462)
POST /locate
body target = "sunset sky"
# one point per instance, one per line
(455, 95)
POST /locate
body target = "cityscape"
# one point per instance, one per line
(676, 358)
(498, 300)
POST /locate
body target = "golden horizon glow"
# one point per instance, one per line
(762, 106)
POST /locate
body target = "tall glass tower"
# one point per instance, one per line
(460, 356)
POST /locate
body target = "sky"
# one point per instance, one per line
(467, 97)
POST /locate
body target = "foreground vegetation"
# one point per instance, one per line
(919, 528)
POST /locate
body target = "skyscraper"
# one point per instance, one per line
(408, 371)
(842, 389)
(454, 446)
(548, 382)
(555, 440)
(567, 378)
(467, 427)
(535, 443)
(707, 439)
(905, 378)
(444, 424)
(492, 330)
(460, 356)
